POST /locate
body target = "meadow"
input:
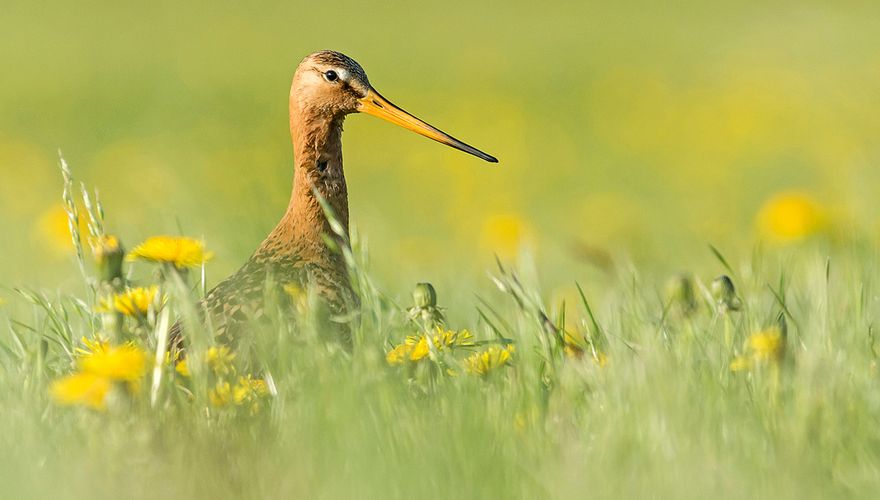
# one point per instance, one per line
(666, 289)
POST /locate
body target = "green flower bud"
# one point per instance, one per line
(724, 294)
(424, 295)
(109, 255)
(425, 311)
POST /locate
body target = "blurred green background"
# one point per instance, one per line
(627, 129)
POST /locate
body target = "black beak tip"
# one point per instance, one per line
(483, 156)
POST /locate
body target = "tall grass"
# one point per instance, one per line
(624, 394)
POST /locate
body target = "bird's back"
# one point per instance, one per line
(240, 298)
(238, 303)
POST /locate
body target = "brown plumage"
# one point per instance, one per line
(326, 87)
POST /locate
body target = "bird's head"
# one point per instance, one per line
(330, 84)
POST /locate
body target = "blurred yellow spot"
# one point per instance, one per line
(125, 362)
(740, 363)
(295, 291)
(182, 368)
(85, 389)
(789, 217)
(574, 348)
(53, 229)
(248, 389)
(765, 346)
(504, 234)
(573, 351)
(99, 366)
(182, 252)
(299, 296)
(220, 360)
(221, 394)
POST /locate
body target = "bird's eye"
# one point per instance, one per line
(331, 76)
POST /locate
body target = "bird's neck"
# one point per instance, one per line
(318, 174)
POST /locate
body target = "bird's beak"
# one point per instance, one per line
(376, 105)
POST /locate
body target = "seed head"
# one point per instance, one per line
(725, 294)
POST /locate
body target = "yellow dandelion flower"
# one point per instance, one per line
(789, 217)
(766, 345)
(484, 362)
(449, 338)
(91, 346)
(259, 387)
(131, 302)
(420, 350)
(125, 362)
(182, 368)
(82, 388)
(182, 252)
(441, 339)
(248, 389)
(399, 354)
(220, 359)
(221, 394)
(444, 339)
(416, 347)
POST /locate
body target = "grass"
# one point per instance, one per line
(629, 393)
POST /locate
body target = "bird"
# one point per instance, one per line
(327, 86)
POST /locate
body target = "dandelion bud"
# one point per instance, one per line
(680, 293)
(425, 311)
(725, 294)
(424, 295)
(108, 254)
